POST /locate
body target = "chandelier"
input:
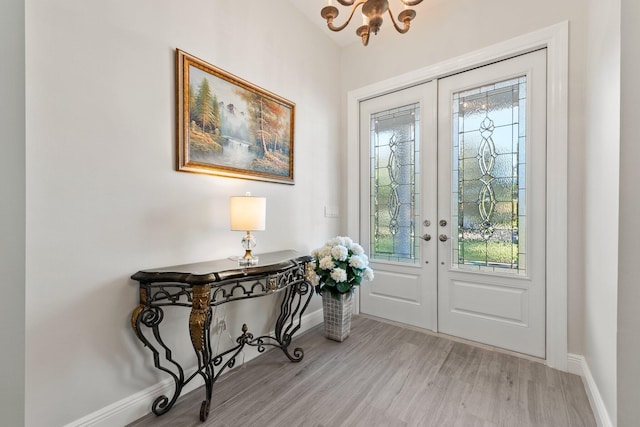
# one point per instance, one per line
(372, 11)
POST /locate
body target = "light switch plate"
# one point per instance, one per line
(331, 212)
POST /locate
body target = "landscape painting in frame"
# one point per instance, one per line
(230, 127)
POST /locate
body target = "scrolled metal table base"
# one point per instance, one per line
(157, 291)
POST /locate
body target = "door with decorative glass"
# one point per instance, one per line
(398, 205)
(453, 204)
(492, 179)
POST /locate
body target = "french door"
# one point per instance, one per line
(398, 205)
(453, 204)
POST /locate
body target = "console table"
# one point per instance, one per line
(204, 285)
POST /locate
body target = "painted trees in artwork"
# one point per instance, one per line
(206, 110)
(236, 127)
(268, 123)
(204, 116)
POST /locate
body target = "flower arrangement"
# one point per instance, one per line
(340, 265)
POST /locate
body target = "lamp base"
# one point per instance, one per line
(248, 243)
(248, 258)
(245, 262)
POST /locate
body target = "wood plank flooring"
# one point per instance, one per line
(386, 375)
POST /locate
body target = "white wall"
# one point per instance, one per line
(104, 199)
(12, 210)
(628, 289)
(601, 176)
(445, 29)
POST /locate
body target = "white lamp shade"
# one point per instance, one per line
(248, 213)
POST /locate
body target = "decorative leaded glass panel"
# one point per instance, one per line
(395, 157)
(489, 177)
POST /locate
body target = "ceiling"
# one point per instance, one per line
(311, 8)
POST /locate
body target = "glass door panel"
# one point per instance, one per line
(395, 182)
(488, 179)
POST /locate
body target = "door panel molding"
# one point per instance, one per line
(406, 287)
(556, 39)
(475, 304)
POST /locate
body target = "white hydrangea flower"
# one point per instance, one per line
(326, 263)
(356, 249)
(324, 251)
(335, 241)
(339, 252)
(339, 275)
(368, 274)
(357, 261)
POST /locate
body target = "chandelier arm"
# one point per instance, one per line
(364, 32)
(348, 2)
(365, 38)
(408, 2)
(343, 26)
(395, 24)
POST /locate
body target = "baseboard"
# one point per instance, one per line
(577, 364)
(574, 364)
(138, 405)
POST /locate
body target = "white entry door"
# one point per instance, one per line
(398, 205)
(492, 149)
(455, 223)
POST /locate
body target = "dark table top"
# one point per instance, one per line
(210, 272)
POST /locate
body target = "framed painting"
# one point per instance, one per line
(230, 127)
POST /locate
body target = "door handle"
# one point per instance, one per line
(443, 238)
(426, 237)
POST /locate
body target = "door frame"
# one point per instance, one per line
(556, 40)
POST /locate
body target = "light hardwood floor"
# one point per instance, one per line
(386, 375)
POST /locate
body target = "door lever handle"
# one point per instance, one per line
(443, 238)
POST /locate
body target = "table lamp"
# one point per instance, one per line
(248, 214)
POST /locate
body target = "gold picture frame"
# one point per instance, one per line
(229, 127)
